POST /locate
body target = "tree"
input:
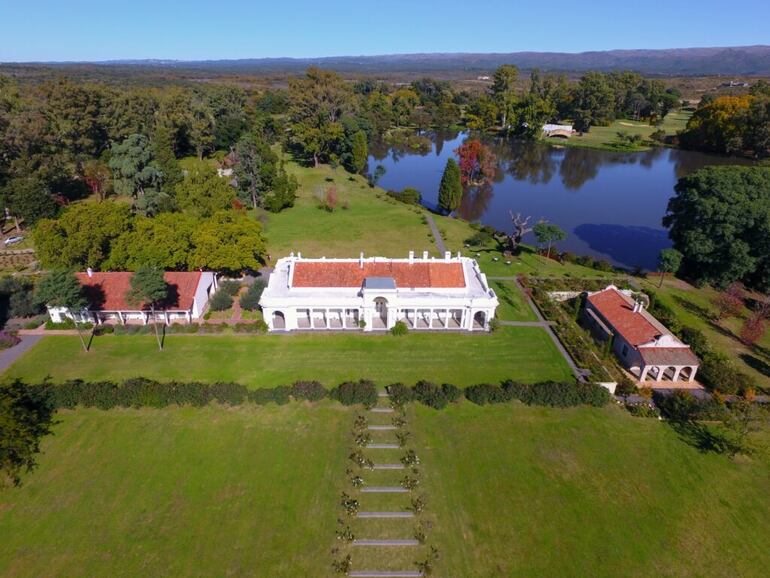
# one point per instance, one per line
(720, 126)
(26, 415)
(729, 302)
(669, 261)
(548, 233)
(521, 227)
(230, 241)
(593, 101)
(255, 168)
(134, 172)
(404, 102)
(477, 163)
(165, 159)
(753, 329)
(201, 128)
(82, 236)
(149, 287)
(283, 193)
(202, 192)
(60, 288)
(30, 199)
(450, 190)
(317, 102)
(720, 221)
(164, 242)
(359, 152)
(98, 177)
(504, 92)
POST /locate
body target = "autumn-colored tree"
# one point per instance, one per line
(477, 162)
(753, 329)
(730, 301)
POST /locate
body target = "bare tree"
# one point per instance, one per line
(521, 227)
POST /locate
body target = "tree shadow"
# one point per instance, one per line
(694, 308)
(702, 437)
(755, 363)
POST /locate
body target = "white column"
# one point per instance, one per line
(660, 373)
(446, 318)
(189, 317)
(692, 373)
(677, 371)
(431, 318)
(326, 318)
(643, 375)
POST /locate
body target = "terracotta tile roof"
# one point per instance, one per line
(351, 274)
(668, 356)
(106, 291)
(618, 310)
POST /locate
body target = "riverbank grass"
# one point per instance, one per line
(522, 353)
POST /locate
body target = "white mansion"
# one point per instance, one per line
(374, 293)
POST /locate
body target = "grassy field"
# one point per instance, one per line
(253, 491)
(372, 222)
(525, 354)
(605, 137)
(694, 306)
(512, 307)
(519, 491)
(184, 492)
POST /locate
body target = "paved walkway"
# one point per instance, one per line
(525, 323)
(436, 234)
(10, 355)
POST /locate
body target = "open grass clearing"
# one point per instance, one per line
(513, 305)
(524, 491)
(247, 491)
(522, 353)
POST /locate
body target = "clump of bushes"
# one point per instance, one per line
(229, 287)
(352, 392)
(67, 324)
(8, 339)
(221, 301)
(258, 326)
(547, 393)
(409, 195)
(308, 390)
(250, 298)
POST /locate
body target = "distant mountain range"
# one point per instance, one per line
(741, 60)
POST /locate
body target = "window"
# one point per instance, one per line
(625, 350)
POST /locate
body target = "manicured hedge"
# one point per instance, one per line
(141, 392)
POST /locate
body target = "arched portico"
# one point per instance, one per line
(278, 320)
(380, 315)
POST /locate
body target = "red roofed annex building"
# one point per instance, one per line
(375, 293)
(106, 293)
(644, 346)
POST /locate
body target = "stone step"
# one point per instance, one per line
(410, 542)
(381, 410)
(382, 446)
(384, 490)
(383, 394)
(388, 467)
(382, 427)
(385, 574)
(385, 515)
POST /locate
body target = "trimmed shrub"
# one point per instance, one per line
(104, 330)
(258, 326)
(212, 328)
(183, 328)
(718, 372)
(400, 393)
(308, 390)
(400, 328)
(485, 393)
(353, 392)
(430, 394)
(228, 393)
(556, 394)
(250, 298)
(220, 301)
(8, 339)
(451, 392)
(230, 288)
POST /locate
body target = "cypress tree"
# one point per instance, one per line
(450, 191)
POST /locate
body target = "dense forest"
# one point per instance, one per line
(178, 166)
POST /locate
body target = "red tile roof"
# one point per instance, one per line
(618, 310)
(107, 291)
(351, 274)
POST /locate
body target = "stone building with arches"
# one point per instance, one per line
(374, 293)
(644, 346)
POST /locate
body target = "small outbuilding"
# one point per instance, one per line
(644, 346)
(106, 293)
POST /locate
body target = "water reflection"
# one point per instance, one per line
(611, 204)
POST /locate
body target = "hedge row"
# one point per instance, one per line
(177, 328)
(547, 393)
(141, 392)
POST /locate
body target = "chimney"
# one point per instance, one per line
(637, 307)
(447, 255)
(90, 272)
(411, 257)
(459, 255)
(361, 260)
(425, 255)
(299, 255)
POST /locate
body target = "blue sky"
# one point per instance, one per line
(32, 30)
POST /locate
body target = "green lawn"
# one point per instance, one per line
(525, 354)
(513, 306)
(372, 222)
(518, 491)
(605, 137)
(249, 491)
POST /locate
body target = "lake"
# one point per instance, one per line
(611, 204)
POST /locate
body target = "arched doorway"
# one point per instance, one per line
(380, 318)
(279, 320)
(685, 374)
(668, 373)
(480, 320)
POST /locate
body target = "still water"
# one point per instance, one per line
(611, 204)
